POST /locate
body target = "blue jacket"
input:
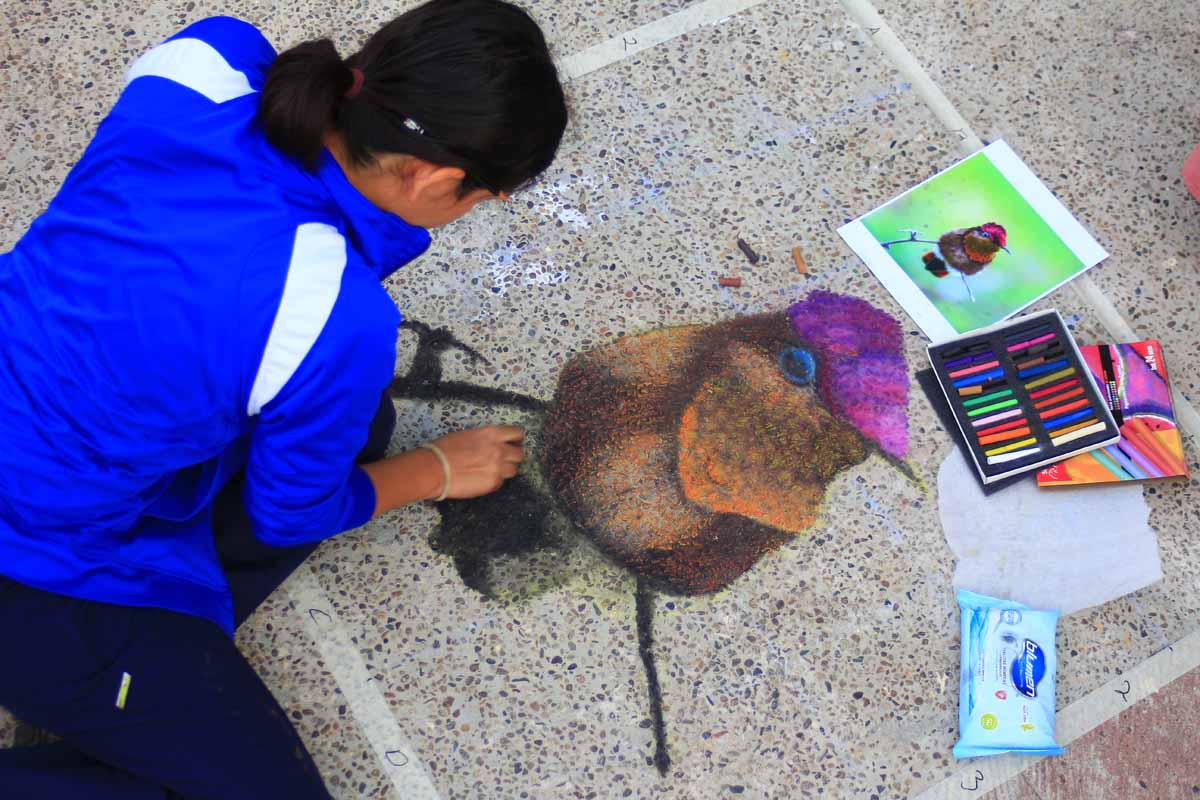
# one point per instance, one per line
(192, 303)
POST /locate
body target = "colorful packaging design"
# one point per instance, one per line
(1006, 684)
(1133, 379)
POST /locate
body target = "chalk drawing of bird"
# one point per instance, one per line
(967, 251)
(688, 453)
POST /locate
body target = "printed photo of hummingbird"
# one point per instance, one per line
(964, 250)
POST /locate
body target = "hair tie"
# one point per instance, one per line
(355, 87)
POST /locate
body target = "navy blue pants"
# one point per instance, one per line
(197, 723)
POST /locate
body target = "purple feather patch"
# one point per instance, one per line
(860, 364)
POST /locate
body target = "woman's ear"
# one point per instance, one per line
(431, 183)
(421, 192)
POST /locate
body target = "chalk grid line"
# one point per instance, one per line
(618, 48)
(399, 759)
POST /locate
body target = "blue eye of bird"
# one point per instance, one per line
(798, 366)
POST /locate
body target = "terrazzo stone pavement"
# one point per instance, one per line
(830, 669)
(1145, 751)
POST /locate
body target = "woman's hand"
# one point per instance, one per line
(481, 460)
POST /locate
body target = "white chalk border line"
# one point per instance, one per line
(399, 759)
(397, 756)
(650, 35)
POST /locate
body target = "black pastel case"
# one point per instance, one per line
(1022, 395)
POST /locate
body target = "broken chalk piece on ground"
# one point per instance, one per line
(732, 283)
(751, 256)
(123, 691)
(798, 257)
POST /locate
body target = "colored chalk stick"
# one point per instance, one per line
(1076, 426)
(1003, 426)
(1017, 456)
(993, 385)
(1045, 406)
(1069, 418)
(1033, 362)
(1136, 472)
(1027, 332)
(967, 391)
(1016, 433)
(972, 370)
(1008, 448)
(982, 377)
(1058, 398)
(965, 350)
(993, 407)
(1051, 378)
(1129, 448)
(1038, 349)
(1042, 369)
(1055, 388)
(1103, 460)
(1078, 434)
(1016, 348)
(979, 423)
(968, 360)
(958, 362)
(1057, 411)
(987, 397)
(1041, 359)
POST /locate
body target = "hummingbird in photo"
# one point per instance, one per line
(964, 250)
(967, 250)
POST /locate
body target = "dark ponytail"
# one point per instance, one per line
(463, 83)
(300, 98)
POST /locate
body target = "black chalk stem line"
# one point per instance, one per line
(424, 378)
(469, 392)
(645, 631)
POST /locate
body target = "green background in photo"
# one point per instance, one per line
(970, 194)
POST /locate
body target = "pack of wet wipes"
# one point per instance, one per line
(1006, 686)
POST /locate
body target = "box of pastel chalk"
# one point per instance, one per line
(1022, 395)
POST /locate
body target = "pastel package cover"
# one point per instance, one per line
(1133, 379)
(1006, 682)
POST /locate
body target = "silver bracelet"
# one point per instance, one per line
(437, 451)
